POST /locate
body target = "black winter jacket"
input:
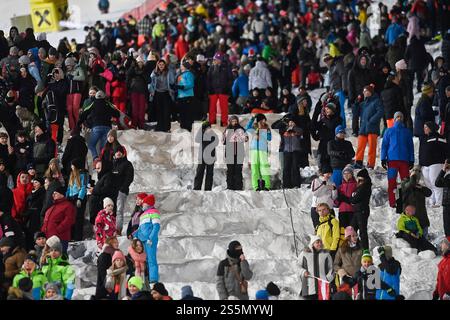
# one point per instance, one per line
(433, 149)
(443, 181)
(124, 169)
(361, 197)
(99, 113)
(6, 195)
(219, 79)
(341, 153)
(392, 99)
(358, 78)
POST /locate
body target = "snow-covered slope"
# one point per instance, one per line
(197, 225)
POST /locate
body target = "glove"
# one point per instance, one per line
(78, 203)
(384, 164)
(391, 292)
(411, 165)
(381, 250)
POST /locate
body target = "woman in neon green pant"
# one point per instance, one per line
(259, 155)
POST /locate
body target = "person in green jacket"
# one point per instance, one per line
(56, 268)
(410, 230)
(30, 270)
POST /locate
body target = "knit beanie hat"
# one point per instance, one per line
(348, 169)
(159, 287)
(54, 243)
(272, 289)
(100, 95)
(137, 282)
(262, 295)
(186, 291)
(398, 114)
(107, 201)
(55, 286)
(366, 256)
(32, 257)
(60, 189)
(339, 129)
(427, 88)
(314, 238)
(331, 106)
(118, 255)
(401, 65)
(78, 163)
(149, 200)
(349, 231)
(39, 234)
(142, 195)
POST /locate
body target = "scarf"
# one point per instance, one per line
(139, 261)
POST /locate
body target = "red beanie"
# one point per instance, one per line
(142, 195)
(150, 200)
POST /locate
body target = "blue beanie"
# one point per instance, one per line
(339, 129)
(186, 291)
(262, 295)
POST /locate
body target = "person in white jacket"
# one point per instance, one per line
(260, 77)
(314, 262)
(324, 191)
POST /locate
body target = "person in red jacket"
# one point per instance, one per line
(345, 192)
(181, 46)
(20, 193)
(59, 218)
(442, 290)
(119, 91)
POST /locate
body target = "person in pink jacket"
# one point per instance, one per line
(346, 189)
(105, 223)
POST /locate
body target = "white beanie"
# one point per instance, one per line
(401, 65)
(107, 201)
(54, 242)
(314, 238)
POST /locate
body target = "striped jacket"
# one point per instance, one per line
(149, 225)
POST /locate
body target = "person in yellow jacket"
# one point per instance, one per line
(409, 229)
(328, 229)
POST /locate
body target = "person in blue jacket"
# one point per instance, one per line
(148, 231)
(240, 88)
(390, 270)
(185, 95)
(397, 154)
(259, 151)
(393, 31)
(372, 111)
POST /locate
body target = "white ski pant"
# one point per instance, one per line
(430, 174)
